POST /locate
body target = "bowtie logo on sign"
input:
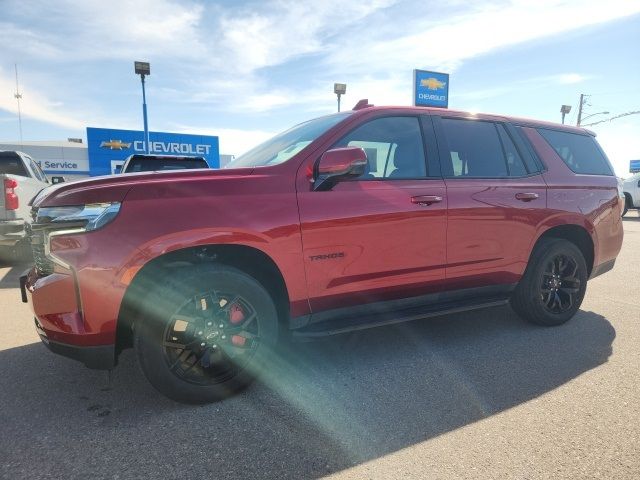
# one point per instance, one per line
(432, 83)
(430, 89)
(115, 145)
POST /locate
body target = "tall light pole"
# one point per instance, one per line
(564, 109)
(339, 89)
(143, 69)
(18, 97)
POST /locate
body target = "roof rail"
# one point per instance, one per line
(364, 103)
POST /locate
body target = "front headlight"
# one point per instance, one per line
(50, 222)
(79, 218)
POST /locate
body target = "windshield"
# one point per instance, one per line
(286, 144)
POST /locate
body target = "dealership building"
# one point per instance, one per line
(106, 149)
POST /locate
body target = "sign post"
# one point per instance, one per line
(430, 89)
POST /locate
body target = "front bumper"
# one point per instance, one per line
(59, 323)
(11, 232)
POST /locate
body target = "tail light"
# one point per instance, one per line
(11, 201)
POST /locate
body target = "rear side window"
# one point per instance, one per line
(580, 153)
(12, 165)
(480, 149)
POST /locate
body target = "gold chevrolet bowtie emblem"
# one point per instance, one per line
(115, 144)
(432, 83)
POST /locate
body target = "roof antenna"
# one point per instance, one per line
(364, 103)
(18, 96)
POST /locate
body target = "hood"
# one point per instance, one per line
(113, 188)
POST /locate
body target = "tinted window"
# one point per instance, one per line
(515, 165)
(393, 145)
(579, 152)
(474, 149)
(12, 165)
(150, 164)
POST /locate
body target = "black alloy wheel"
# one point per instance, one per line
(205, 333)
(553, 285)
(211, 337)
(560, 284)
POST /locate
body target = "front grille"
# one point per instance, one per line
(44, 266)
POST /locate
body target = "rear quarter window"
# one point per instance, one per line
(581, 153)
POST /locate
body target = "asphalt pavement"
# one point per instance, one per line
(475, 395)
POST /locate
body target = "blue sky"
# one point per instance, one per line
(246, 69)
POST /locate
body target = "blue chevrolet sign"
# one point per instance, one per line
(108, 148)
(634, 166)
(430, 89)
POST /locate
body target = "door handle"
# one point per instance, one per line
(526, 197)
(426, 199)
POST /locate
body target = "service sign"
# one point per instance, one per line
(634, 166)
(430, 89)
(109, 148)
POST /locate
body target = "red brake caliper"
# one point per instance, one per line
(236, 315)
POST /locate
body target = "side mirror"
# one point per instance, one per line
(56, 180)
(339, 164)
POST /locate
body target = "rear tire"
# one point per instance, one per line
(553, 285)
(206, 333)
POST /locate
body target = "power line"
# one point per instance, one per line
(626, 114)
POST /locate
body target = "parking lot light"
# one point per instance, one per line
(143, 69)
(339, 89)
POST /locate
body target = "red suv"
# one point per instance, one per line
(348, 221)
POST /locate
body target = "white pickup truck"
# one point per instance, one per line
(21, 179)
(631, 190)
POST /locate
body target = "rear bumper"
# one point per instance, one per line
(11, 232)
(59, 321)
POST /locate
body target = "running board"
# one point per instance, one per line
(351, 324)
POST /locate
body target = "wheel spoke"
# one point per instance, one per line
(200, 343)
(556, 301)
(570, 290)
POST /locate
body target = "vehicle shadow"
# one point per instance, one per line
(11, 279)
(326, 406)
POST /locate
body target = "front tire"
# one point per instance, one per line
(206, 333)
(627, 203)
(553, 285)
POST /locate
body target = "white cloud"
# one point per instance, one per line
(237, 57)
(621, 142)
(477, 30)
(35, 105)
(285, 29)
(571, 78)
(232, 141)
(95, 29)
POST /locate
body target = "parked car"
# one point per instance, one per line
(153, 163)
(22, 179)
(631, 191)
(349, 221)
